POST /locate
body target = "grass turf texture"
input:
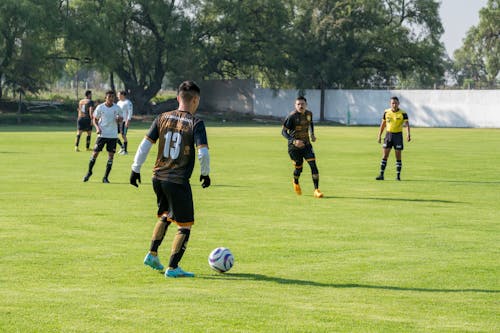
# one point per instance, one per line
(418, 255)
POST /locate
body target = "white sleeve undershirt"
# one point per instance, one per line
(141, 155)
(204, 159)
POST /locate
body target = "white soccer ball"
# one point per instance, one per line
(221, 259)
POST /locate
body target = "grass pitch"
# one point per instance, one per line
(420, 255)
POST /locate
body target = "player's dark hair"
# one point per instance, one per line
(187, 90)
(88, 93)
(110, 92)
(123, 92)
(395, 98)
(301, 98)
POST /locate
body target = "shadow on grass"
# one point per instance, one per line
(265, 278)
(453, 181)
(404, 200)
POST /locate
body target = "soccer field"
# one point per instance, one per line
(420, 255)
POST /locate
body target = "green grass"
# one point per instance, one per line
(421, 255)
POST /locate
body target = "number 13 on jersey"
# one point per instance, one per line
(172, 145)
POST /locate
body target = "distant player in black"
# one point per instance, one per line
(393, 120)
(178, 133)
(296, 129)
(84, 122)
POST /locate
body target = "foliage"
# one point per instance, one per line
(365, 43)
(29, 32)
(141, 41)
(244, 39)
(477, 62)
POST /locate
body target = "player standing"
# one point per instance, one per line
(178, 133)
(106, 116)
(393, 120)
(127, 109)
(84, 122)
(296, 130)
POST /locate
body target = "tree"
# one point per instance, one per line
(29, 32)
(244, 39)
(477, 62)
(139, 40)
(366, 43)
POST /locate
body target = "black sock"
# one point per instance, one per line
(399, 166)
(108, 168)
(179, 247)
(383, 164)
(125, 145)
(91, 164)
(77, 143)
(87, 143)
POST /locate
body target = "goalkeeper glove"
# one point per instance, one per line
(205, 181)
(134, 177)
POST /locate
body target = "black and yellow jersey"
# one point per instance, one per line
(297, 125)
(394, 121)
(178, 134)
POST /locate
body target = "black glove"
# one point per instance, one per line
(134, 177)
(205, 181)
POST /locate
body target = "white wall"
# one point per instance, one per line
(425, 108)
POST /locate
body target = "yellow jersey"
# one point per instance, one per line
(394, 121)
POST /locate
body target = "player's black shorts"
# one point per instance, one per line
(298, 155)
(175, 200)
(109, 142)
(84, 124)
(393, 140)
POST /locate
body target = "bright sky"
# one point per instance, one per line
(457, 16)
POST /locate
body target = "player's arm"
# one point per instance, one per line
(95, 121)
(407, 125)
(200, 139)
(139, 159)
(311, 128)
(130, 112)
(285, 132)
(381, 129)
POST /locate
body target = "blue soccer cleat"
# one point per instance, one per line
(177, 272)
(153, 262)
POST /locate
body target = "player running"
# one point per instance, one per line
(296, 130)
(84, 122)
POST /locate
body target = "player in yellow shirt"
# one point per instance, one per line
(393, 121)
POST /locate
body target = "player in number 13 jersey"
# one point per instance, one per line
(178, 133)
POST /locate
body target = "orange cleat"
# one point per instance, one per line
(296, 188)
(317, 193)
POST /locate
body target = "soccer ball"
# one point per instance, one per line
(221, 259)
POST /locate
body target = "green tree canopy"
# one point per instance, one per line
(477, 62)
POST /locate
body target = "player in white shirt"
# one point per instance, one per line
(127, 109)
(106, 116)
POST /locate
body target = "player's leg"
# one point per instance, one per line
(77, 140)
(125, 141)
(111, 148)
(297, 161)
(118, 126)
(159, 232)
(152, 260)
(386, 149)
(399, 163)
(180, 200)
(310, 157)
(87, 142)
(98, 148)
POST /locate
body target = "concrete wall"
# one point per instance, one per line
(227, 95)
(426, 108)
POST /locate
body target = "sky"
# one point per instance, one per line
(457, 16)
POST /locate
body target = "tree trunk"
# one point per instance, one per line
(322, 103)
(19, 107)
